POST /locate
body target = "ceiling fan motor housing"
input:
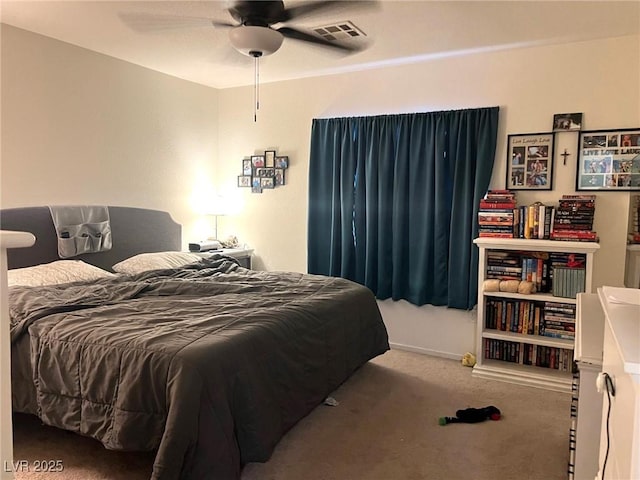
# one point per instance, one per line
(255, 41)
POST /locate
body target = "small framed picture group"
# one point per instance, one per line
(263, 171)
(609, 160)
(530, 161)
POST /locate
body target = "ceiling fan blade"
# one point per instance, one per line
(218, 24)
(154, 23)
(257, 13)
(301, 10)
(289, 32)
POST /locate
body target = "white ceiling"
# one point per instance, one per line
(397, 32)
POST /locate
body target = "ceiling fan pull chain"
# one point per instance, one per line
(256, 91)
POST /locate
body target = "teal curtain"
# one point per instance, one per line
(393, 202)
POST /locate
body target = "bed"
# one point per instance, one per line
(208, 364)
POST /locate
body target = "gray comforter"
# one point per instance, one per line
(210, 364)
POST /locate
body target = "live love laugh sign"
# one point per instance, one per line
(609, 160)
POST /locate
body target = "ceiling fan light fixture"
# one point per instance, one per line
(255, 41)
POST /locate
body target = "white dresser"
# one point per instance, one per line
(621, 361)
(7, 240)
(587, 401)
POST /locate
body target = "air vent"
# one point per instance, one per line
(339, 31)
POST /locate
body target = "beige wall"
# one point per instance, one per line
(79, 127)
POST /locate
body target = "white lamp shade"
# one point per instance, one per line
(255, 41)
(219, 205)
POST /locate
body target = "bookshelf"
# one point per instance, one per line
(504, 354)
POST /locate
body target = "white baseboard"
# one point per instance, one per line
(425, 351)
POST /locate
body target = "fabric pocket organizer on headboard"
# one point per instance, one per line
(81, 229)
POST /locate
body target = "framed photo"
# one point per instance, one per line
(282, 162)
(255, 185)
(530, 161)
(247, 166)
(244, 180)
(265, 172)
(267, 182)
(257, 161)
(609, 160)
(269, 158)
(279, 178)
(567, 121)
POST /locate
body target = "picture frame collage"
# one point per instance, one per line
(265, 171)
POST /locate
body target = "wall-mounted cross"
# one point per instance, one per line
(565, 155)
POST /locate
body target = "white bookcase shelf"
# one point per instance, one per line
(513, 371)
(536, 297)
(530, 339)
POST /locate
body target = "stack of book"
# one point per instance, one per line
(495, 215)
(573, 219)
(569, 260)
(634, 234)
(559, 320)
(503, 265)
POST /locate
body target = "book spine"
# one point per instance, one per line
(586, 234)
(539, 262)
(546, 231)
(490, 205)
(495, 235)
(500, 268)
(541, 214)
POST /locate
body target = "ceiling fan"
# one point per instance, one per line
(261, 27)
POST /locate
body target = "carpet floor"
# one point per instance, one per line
(385, 427)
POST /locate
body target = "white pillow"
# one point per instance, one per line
(155, 261)
(60, 271)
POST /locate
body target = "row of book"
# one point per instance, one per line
(568, 282)
(560, 359)
(547, 319)
(499, 216)
(535, 221)
(535, 267)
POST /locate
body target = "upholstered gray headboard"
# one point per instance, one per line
(133, 231)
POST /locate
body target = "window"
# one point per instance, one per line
(393, 202)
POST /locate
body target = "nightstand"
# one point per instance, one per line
(243, 255)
